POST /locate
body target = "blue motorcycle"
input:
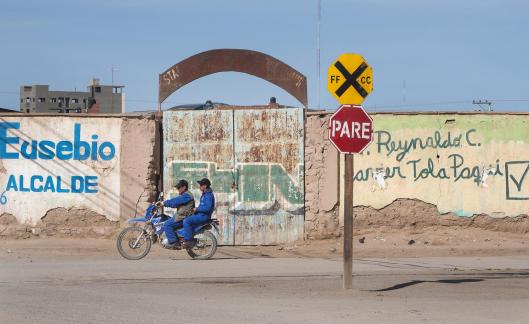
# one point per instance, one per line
(134, 242)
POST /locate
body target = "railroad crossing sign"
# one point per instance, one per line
(350, 129)
(350, 79)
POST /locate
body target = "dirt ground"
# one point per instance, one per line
(480, 276)
(434, 241)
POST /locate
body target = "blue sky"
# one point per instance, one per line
(426, 55)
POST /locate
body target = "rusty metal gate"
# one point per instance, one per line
(254, 159)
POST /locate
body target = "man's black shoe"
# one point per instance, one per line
(189, 244)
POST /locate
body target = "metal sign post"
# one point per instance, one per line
(348, 223)
(350, 80)
(351, 131)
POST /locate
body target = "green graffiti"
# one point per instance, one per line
(255, 187)
(287, 187)
(192, 171)
(253, 182)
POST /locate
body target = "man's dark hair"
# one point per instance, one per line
(204, 181)
(182, 183)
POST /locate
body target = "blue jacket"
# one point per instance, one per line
(178, 201)
(207, 203)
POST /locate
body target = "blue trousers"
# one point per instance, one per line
(170, 227)
(192, 222)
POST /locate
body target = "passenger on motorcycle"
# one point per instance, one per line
(202, 214)
(184, 204)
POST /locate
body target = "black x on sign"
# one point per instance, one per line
(350, 79)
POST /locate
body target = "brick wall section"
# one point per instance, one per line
(140, 153)
(321, 180)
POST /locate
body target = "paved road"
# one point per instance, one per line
(107, 289)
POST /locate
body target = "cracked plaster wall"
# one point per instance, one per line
(121, 180)
(425, 170)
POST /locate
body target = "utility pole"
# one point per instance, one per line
(403, 91)
(112, 94)
(319, 53)
(483, 102)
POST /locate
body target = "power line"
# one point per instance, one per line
(425, 104)
(155, 102)
(468, 102)
(510, 100)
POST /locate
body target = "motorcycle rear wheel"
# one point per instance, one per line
(205, 247)
(133, 243)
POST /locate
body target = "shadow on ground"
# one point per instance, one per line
(508, 275)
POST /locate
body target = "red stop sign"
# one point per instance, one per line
(350, 129)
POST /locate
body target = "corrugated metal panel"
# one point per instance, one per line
(254, 159)
(269, 154)
(199, 144)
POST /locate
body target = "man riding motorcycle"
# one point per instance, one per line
(184, 204)
(202, 214)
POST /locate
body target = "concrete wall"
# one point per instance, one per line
(471, 168)
(421, 170)
(62, 175)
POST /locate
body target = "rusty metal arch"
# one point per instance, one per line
(254, 63)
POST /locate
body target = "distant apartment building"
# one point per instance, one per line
(103, 99)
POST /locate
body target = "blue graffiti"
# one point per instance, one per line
(38, 183)
(48, 150)
(3, 198)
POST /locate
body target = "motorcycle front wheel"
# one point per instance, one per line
(133, 243)
(205, 247)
